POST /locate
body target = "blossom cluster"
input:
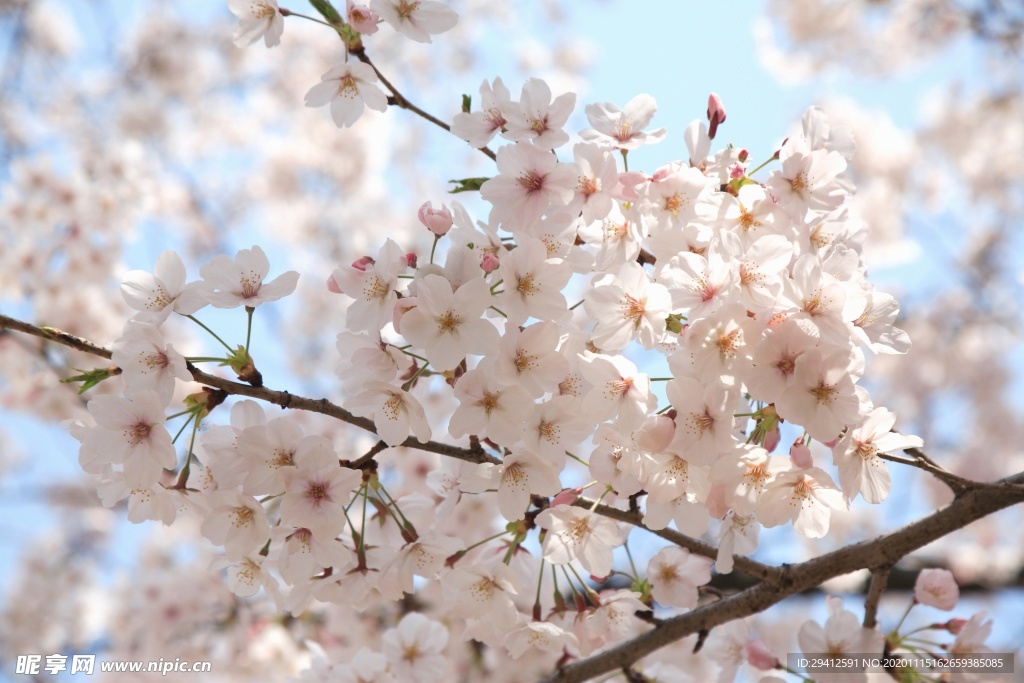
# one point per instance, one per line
(748, 298)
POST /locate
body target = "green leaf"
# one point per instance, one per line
(467, 102)
(467, 185)
(327, 11)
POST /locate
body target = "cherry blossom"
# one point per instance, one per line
(373, 288)
(529, 181)
(623, 128)
(841, 635)
(416, 19)
(628, 306)
(805, 497)
(489, 409)
(316, 491)
(414, 649)
(257, 19)
(147, 361)
(675, 574)
(822, 396)
(537, 118)
(394, 412)
(533, 284)
(856, 456)
(349, 89)
(155, 295)
(237, 522)
(239, 281)
(542, 635)
(479, 128)
(578, 534)
(936, 588)
(447, 325)
(129, 432)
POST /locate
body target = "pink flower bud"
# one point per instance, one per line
(655, 434)
(936, 588)
(438, 221)
(716, 114)
(800, 454)
(489, 263)
(737, 171)
(567, 496)
(401, 307)
(362, 18)
(954, 626)
(744, 155)
(410, 259)
(772, 438)
(759, 656)
(361, 263)
(332, 285)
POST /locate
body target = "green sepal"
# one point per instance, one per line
(90, 378)
(327, 11)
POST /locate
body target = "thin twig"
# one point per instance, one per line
(279, 398)
(958, 484)
(399, 100)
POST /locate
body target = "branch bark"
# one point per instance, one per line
(279, 398)
(882, 551)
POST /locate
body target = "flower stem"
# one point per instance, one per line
(289, 13)
(408, 385)
(578, 459)
(770, 160)
(175, 439)
(223, 343)
(248, 327)
(437, 238)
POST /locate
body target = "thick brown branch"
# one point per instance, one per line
(882, 551)
(879, 580)
(280, 398)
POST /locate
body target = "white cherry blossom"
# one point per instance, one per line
(349, 89)
(155, 295)
(805, 497)
(856, 456)
(239, 281)
(623, 128)
(674, 574)
(257, 19)
(448, 325)
(395, 413)
(627, 306)
(577, 534)
(416, 19)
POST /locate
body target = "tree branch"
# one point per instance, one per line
(882, 551)
(399, 100)
(280, 398)
(879, 581)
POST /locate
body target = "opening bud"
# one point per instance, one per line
(437, 221)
